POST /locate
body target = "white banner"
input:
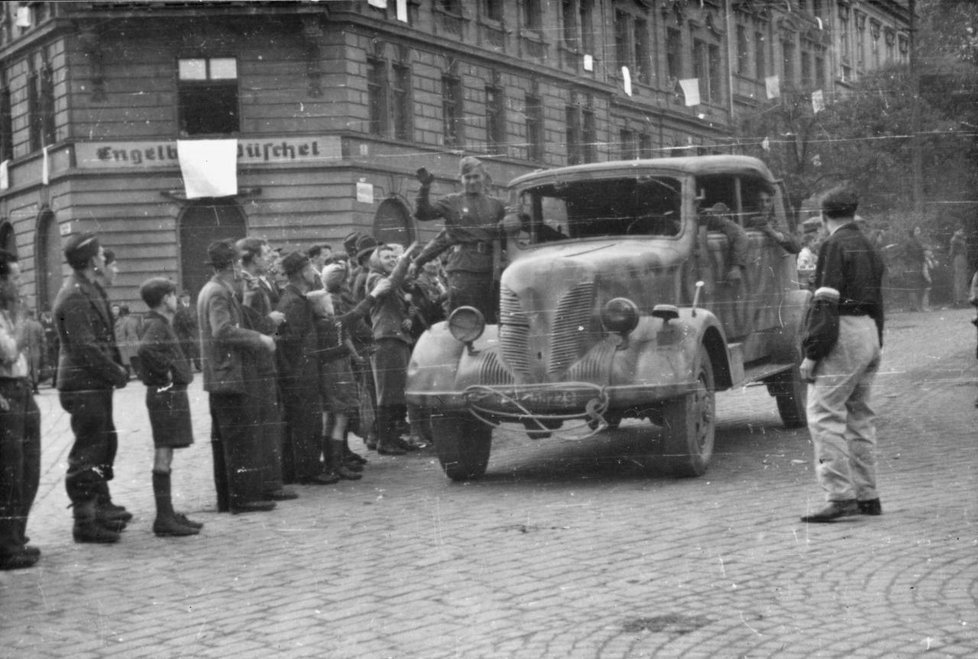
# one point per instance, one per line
(626, 80)
(772, 85)
(818, 101)
(209, 167)
(691, 90)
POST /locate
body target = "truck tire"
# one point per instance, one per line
(791, 392)
(690, 425)
(462, 443)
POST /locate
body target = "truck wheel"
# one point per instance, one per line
(690, 425)
(791, 392)
(463, 444)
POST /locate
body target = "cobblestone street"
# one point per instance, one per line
(564, 549)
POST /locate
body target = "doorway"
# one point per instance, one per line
(201, 223)
(392, 223)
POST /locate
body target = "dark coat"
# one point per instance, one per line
(225, 343)
(297, 352)
(89, 358)
(165, 370)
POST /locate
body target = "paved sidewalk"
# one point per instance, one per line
(563, 550)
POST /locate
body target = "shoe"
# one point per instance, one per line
(322, 478)
(93, 532)
(352, 465)
(390, 449)
(282, 494)
(188, 522)
(172, 527)
(346, 473)
(252, 507)
(109, 510)
(31, 549)
(832, 511)
(408, 444)
(353, 456)
(871, 507)
(370, 442)
(18, 560)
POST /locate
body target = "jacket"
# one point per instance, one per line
(162, 361)
(225, 343)
(89, 358)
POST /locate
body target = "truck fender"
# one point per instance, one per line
(436, 357)
(786, 342)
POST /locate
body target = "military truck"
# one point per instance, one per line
(618, 302)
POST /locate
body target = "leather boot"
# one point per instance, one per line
(387, 439)
(166, 522)
(339, 467)
(87, 528)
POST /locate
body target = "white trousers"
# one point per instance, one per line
(842, 424)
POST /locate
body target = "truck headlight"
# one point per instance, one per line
(619, 315)
(466, 324)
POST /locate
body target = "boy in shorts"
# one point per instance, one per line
(166, 372)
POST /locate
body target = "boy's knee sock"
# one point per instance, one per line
(161, 492)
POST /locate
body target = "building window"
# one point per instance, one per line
(644, 146)
(572, 119)
(40, 106)
(207, 95)
(377, 95)
(706, 64)
(586, 12)
(570, 16)
(495, 118)
(820, 70)
(788, 61)
(493, 10)
(450, 6)
(532, 14)
(674, 53)
(806, 69)
(403, 105)
(622, 54)
(760, 61)
(589, 133)
(643, 63)
(534, 127)
(626, 139)
(743, 52)
(6, 123)
(452, 110)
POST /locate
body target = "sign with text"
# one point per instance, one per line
(147, 155)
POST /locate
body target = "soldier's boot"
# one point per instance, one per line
(387, 439)
(335, 460)
(167, 523)
(87, 527)
(113, 517)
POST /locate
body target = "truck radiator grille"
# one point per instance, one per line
(570, 327)
(514, 332)
(491, 372)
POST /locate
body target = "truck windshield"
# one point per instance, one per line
(634, 206)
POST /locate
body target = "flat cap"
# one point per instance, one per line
(365, 245)
(840, 202)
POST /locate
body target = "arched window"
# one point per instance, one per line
(49, 273)
(392, 223)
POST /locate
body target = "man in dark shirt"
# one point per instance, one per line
(473, 231)
(842, 341)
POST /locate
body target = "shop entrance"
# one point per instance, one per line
(201, 223)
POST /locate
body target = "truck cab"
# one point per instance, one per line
(635, 289)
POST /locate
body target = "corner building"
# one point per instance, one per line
(334, 104)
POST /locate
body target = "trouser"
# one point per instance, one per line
(240, 446)
(268, 419)
(20, 461)
(93, 451)
(366, 423)
(472, 289)
(841, 422)
(303, 429)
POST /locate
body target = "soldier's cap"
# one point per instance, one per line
(840, 202)
(294, 262)
(221, 254)
(365, 245)
(468, 164)
(79, 248)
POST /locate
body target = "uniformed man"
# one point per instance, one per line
(473, 231)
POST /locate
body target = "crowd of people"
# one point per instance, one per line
(296, 350)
